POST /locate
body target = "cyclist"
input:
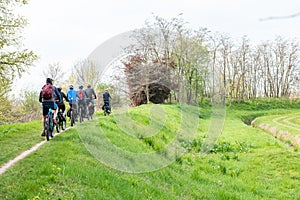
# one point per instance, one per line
(90, 93)
(82, 100)
(72, 96)
(47, 98)
(61, 105)
(106, 97)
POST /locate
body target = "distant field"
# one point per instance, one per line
(285, 127)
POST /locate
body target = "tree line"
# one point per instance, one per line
(167, 62)
(171, 61)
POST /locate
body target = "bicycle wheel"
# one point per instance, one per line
(72, 118)
(47, 128)
(58, 125)
(51, 125)
(80, 114)
(91, 112)
(63, 125)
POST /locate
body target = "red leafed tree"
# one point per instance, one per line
(147, 81)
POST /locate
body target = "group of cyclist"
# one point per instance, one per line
(76, 98)
(82, 98)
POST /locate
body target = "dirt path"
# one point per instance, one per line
(10, 163)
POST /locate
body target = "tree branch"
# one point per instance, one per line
(280, 17)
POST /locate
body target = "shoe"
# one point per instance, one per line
(43, 133)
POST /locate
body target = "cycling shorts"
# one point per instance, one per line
(47, 105)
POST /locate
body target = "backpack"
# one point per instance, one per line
(81, 94)
(47, 91)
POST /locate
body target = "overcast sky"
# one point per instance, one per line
(68, 30)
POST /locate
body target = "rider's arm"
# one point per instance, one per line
(77, 95)
(64, 96)
(57, 94)
(40, 97)
(94, 94)
(85, 94)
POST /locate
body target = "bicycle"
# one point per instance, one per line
(90, 109)
(49, 125)
(72, 115)
(61, 121)
(106, 109)
(80, 113)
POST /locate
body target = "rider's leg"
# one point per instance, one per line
(85, 108)
(43, 122)
(63, 108)
(109, 108)
(55, 108)
(45, 111)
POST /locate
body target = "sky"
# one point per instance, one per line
(67, 31)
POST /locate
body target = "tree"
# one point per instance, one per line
(168, 59)
(86, 73)
(147, 81)
(55, 71)
(13, 59)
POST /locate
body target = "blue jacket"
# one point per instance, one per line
(72, 96)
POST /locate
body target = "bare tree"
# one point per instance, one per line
(86, 73)
(56, 72)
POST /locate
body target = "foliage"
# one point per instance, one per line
(264, 104)
(198, 63)
(24, 109)
(5, 108)
(13, 59)
(147, 81)
(31, 106)
(168, 60)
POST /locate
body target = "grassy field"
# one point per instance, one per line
(285, 127)
(107, 158)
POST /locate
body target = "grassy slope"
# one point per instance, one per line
(16, 138)
(248, 164)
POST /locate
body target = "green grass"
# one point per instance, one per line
(285, 127)
(245, 163)
(16, 138)
(286, 122)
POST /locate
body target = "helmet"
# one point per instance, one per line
(71, 86)
(49, 80)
